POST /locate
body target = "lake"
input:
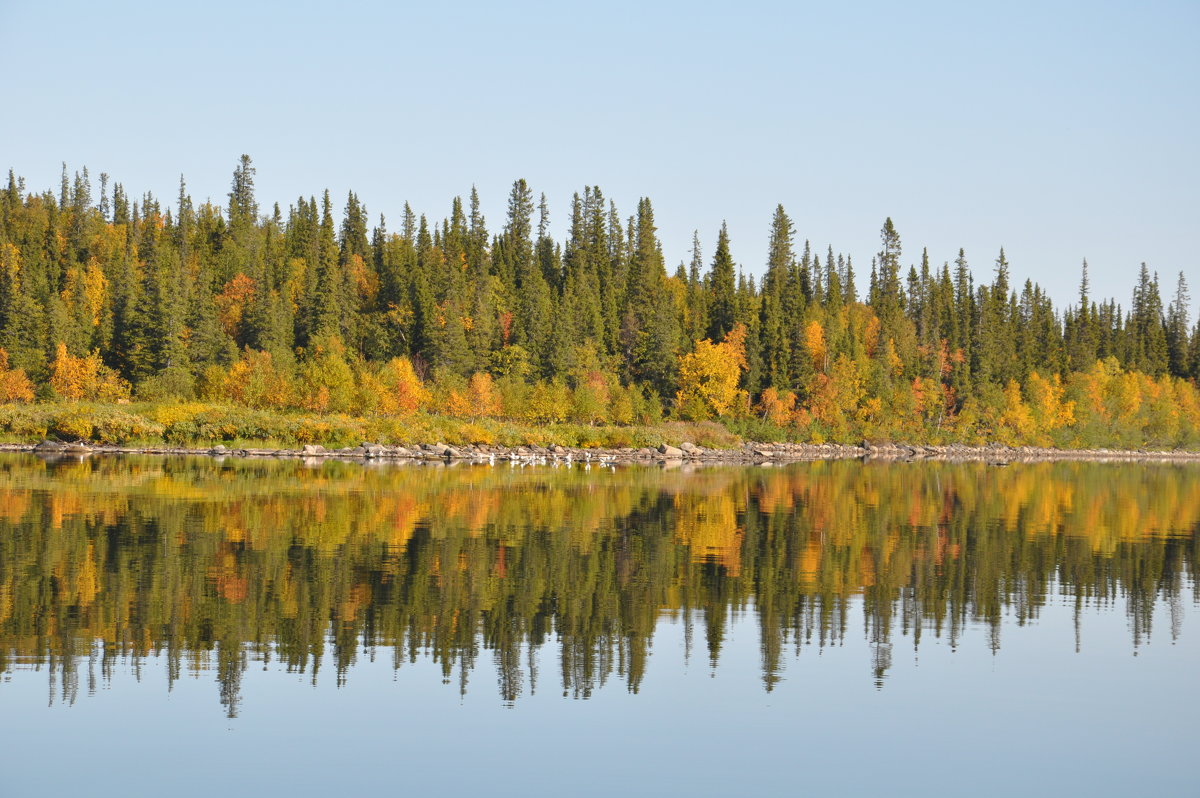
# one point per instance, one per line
(199, 626)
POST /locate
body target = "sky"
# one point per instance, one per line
(1059, 131)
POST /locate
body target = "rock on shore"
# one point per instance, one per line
(749, 453)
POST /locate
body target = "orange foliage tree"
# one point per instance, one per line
(457, 404)
(14, 385)
(233, 301)
(777, 407)
(482, 396)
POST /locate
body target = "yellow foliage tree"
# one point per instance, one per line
(814, 342)
(326, 382)
(10, 263)
(481, 393)
(709, 375)
(86, 378)
(592, 398)
(255, 381)
(890, 356)
(1016, 423)
(86, 286)
(871, 335)
(548, 403)
(1050, 410)
(365, 280)
(405, 393)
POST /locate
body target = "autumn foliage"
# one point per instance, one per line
(709, 376)
(14, 385)
(86, 378)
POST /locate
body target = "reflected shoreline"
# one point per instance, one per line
(215, 561)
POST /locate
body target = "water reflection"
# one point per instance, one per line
(215, 565)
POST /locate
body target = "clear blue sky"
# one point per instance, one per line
(1057, 130)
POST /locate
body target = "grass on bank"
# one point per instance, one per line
(202, 424)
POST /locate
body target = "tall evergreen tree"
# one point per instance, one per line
(722, 289)
(774, 337)
(1177, 330)
(1147, 340)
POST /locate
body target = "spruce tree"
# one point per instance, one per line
(1177, 331)
(328, 306)
(722, 289)
(886, 298)
(774, 342)
(649, 332)
(1147, 340)
(696, 295)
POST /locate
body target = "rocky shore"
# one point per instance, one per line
(748, 454)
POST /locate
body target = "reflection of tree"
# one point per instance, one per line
(215, 565)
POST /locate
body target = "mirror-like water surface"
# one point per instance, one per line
(839, 627)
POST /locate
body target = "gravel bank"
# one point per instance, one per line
(750, 453)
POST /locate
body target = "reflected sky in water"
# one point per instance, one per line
(834, 628)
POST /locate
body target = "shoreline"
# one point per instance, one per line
(747, 454)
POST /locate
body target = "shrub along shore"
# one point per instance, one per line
(197, 428)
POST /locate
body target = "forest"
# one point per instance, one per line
(144, 316)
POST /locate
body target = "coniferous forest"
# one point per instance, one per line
(235, 322)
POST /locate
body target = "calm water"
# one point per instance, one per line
(192, 627)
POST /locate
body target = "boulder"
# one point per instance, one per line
(670, 451)
(311, 450)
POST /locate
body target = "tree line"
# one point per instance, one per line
(314, 308)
